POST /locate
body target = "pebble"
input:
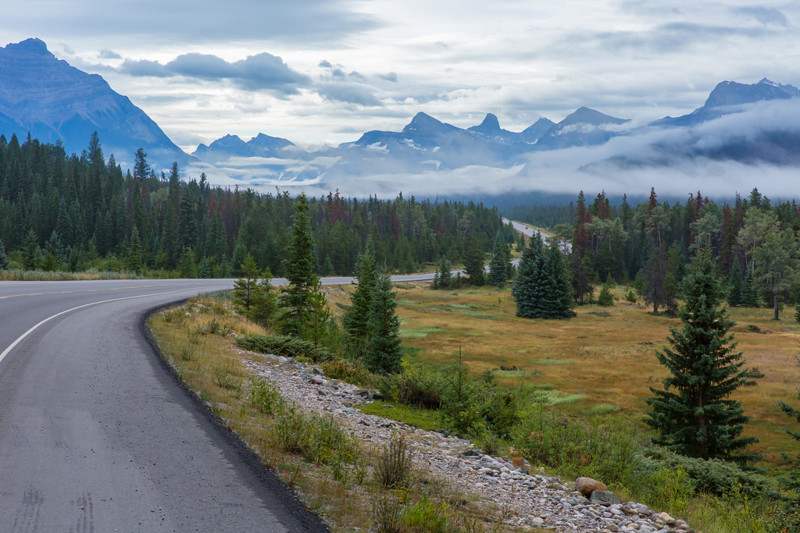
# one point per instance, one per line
(528, 500)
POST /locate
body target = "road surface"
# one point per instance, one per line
(95, 435)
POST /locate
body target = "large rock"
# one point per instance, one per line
(604, 497)
(587, 485)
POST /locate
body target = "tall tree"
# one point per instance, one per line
(556, 299)
(299, 267)
(529, 283)
(383, 353)
(356, 319)
(474, 263)
(776, 266)
(3, 257)
(654, 276)
(500, 261)
(694, 414)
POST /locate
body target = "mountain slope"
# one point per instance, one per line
(52, 101)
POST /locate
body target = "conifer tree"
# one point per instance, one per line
(299, 267)
(749, 292)
(383, 353)
(792, 481)
(473, 263)
(244, 288)
(443, 278)
(605, 298)
(500, 261)
(3, 257)
(30, 257)
(694, 414)
(556, 300)
(188, 266)
(356, 319)
(264, 300)
(735, 290)
(529, 284)
(134, 263)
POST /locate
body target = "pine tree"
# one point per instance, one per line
(134, 263)
(498, 265)
(698, 418)
(188, 264)
(299, 267)
(735, 291)
(245, 287)
(443, 278)
(749, 293)
(529, 284)
(605, 298)
(792, 481)
(263, 301)
(556, 301)
(3, 258)
(30, 257)
(383, 353)
(356, 319)
(473, 263)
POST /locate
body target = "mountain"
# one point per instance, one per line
(584, 127)
(53, 101)
(729, 97)
(231, 145)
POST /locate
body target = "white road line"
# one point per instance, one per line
(21, 337)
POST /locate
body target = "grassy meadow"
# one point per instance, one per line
(601, 361)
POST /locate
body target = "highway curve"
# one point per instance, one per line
(95, 435)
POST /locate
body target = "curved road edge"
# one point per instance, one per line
(292, 504)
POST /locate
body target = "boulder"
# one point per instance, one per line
(587, 485)
(604, 497)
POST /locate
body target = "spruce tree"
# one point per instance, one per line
(473, 263)
(3, 257)
(792, 481)
(697, 417)
(442, 279)
(299, 267)
(383, 353)
(30, 256)
(529, 283)
(556, 300)
(245, 287)
(135, 252)
(735, 296)
(749, 292)
(356, 319)
(501, 258)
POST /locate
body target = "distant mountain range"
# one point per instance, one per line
(739, 123)
(54, 101)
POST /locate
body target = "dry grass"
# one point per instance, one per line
(197, 339)
(605, 359)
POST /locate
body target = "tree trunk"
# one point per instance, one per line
(775, 308)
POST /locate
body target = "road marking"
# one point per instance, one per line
(21, 337)
(71, 292)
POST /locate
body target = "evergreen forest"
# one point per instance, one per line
(81, 212)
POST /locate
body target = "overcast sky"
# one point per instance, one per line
(324, 71)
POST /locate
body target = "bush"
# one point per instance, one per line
(605, 298)
(500, 413)
(393, 469)
(351, 372)
(265, 397)
(426, 517)
(413, 387)
(712, 476)
(283, 345)
(606, 451)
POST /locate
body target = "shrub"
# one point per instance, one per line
(283, 345)
(500, 413)
(425, 516)
(349, 371)
(712, 476)
(669, 488)
(606, 451)
(414, 387)
(605, 298)
(393, 469)
(387, 513)
(631, 297)
(265, 397)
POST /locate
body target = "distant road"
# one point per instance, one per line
(95, 435)
(529, 231)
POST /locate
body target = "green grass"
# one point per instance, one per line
(427, 419)
(603, 409)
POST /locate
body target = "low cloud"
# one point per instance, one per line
(768, 16)
(350, 93)
(262, 71)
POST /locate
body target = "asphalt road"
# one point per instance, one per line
(96, 436)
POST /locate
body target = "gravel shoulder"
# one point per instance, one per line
(528, 499)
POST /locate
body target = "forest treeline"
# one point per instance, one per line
(753, 243)
(79, 212)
